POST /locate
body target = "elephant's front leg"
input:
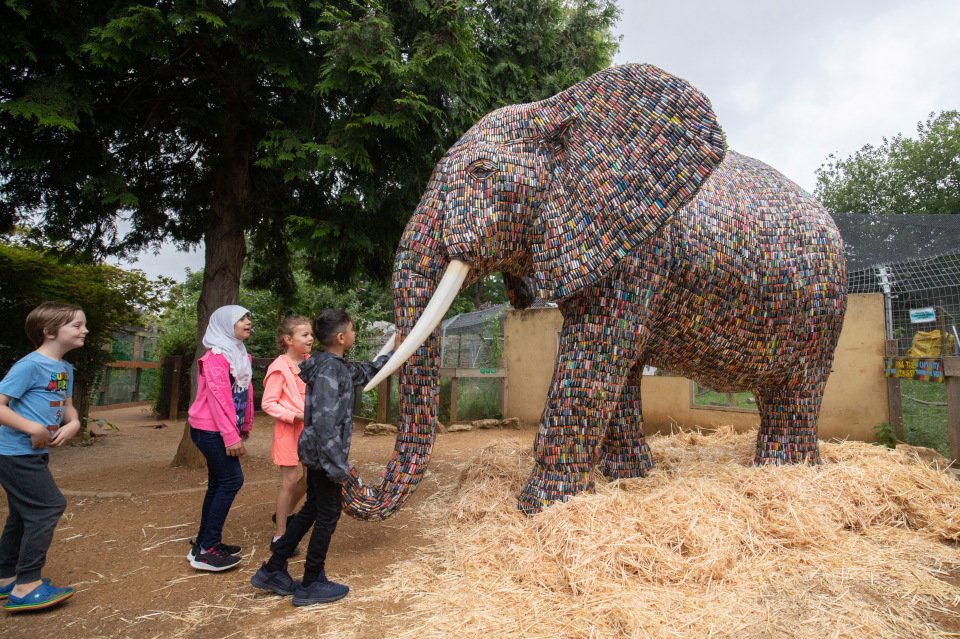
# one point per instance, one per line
(624, 452)
(595, 356)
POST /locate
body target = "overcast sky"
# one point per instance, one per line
(791, 82)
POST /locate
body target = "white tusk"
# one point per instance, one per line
(442, 298)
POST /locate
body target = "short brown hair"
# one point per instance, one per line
(48, 318)
(286, 328)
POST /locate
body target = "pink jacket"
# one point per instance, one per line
(213, 409)
(282, 391)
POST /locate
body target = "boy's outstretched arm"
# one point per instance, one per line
(39, 435)
(363, 372)
(71, 425)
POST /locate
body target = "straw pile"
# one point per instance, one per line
(865, 545)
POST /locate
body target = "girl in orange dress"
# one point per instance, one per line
(283, 393)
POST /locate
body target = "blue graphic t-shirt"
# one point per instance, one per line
(38, 388)
(239, 403)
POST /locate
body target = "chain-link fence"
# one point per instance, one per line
(914, 261)
(921, 302)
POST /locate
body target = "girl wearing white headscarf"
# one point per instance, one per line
(221, 338)
(220, 420)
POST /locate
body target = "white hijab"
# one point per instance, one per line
(221, 339)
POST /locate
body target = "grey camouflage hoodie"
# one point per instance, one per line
(328, 410)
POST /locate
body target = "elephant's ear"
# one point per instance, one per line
(628, 147)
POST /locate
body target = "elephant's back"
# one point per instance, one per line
(758, 271)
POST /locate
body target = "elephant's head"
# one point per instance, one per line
(561, 189)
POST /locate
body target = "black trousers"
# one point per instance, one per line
(321, 509)
(35, 505)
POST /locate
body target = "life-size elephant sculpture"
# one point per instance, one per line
(660, 248)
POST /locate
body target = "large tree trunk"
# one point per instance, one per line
(225, 249)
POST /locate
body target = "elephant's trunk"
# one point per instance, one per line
(420, 306)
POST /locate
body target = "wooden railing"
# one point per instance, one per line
(135, 399)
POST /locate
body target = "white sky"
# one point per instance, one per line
(791, 82)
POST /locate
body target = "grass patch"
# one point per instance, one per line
(925, 415)
(703, 397)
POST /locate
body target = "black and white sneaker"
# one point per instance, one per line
(212, 559)
(220, 546)
(228, 548)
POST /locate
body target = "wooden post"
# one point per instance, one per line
(104, 387)
(137, 372)
(504, 385)
(174, 399)
(383, 400)
(941, 327)
(454, 391)
(894, 398)
(951, 375)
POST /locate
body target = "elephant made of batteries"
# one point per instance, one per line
(618, 198)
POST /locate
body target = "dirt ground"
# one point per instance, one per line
(123, 540)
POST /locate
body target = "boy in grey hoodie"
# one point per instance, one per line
(323, 449)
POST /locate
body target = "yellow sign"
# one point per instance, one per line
(924, 370)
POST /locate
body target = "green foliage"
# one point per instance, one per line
(295, 122)
(364, 303)
(485, 292)
(476, 399)
(177, 326)
(885, 436)
(112, 299)
(902, 175)
(493, 336)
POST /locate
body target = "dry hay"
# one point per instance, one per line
(865, 545)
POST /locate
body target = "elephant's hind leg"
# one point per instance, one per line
(624, 452)
(788, 426)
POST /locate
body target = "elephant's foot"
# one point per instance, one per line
(625, 462)
(787, 446)
(548, 486)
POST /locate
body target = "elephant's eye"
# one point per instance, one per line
(482, 169)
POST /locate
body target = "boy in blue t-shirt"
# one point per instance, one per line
(36, 410)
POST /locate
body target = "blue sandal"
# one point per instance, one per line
(6, 590)
(43, 596)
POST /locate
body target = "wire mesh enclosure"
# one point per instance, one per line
(471, 348)
(914, 261)
(473, 340)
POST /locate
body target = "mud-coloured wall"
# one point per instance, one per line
(854, 402)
